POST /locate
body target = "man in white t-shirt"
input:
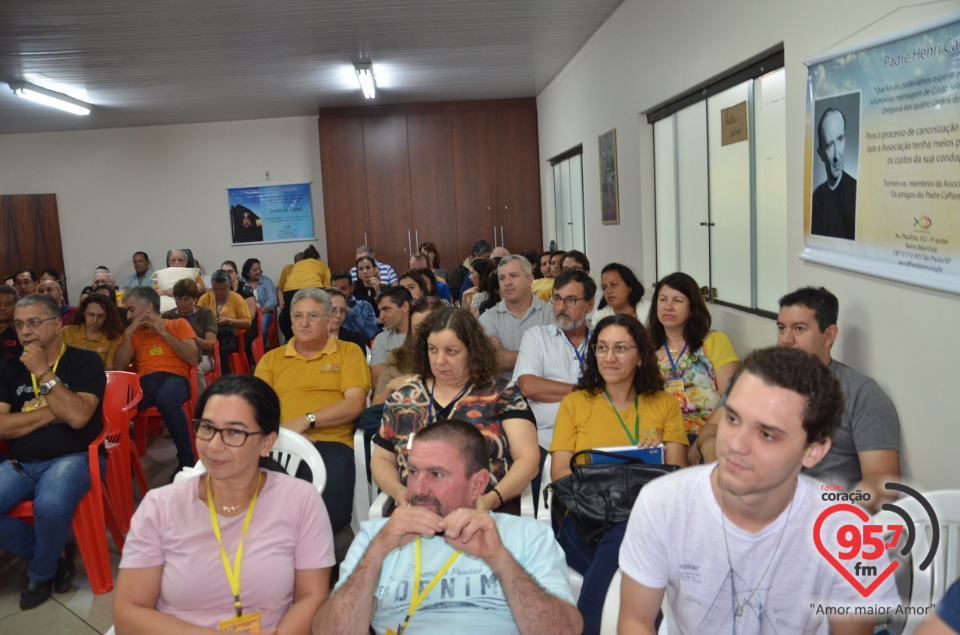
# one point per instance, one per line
(441, 566)
(732, 544)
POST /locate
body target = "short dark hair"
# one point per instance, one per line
(465, 437)
(33, 274)
(142, 253)
(481, 247)
(430, 278)
(332, 291)
(647, 379)
(341, 274)
(825, 305)
(144, 295)
(577, 275)
(698, 324)
(398, 295)
(6, 289)
(629, 278)
(253, 390)
(580, 257)
(186, 288)
(805, 375)
(50, 271)
(247, 266)
(481, 353)
(40, 299)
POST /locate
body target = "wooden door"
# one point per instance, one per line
(433, 200)
(475, 178)
(30, 230)
(344, 187)
(518, 181)
(388, 189)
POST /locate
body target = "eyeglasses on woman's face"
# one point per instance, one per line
(234, 437)
(619, 350)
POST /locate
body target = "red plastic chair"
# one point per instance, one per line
(148, 421)
(94, 514)
(217, 371)
(120, 401)
(256, 347)
(273, 334)
(238, 361)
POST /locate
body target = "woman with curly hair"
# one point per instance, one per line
(619, 401)
(457, 377)
(695, 362)
(97, 327)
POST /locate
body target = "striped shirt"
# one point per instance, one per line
(387, 274)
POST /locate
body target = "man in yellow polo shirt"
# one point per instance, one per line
(232, 315)
(322, 383)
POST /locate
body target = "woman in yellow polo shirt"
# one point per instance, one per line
(95, 327)
(308, 273)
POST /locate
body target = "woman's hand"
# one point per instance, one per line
(488, 502)
(693, 455)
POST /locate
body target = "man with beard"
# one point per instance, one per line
(473, 572)
(550, 357)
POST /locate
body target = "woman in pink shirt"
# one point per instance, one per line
(181, 568)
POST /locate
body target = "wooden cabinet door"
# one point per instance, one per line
(433, 200)
(518, 181)
(475, 178)
(344, 182)
(388, 189)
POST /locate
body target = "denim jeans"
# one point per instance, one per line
(168, 392)
(56, 487)
(597, 564)
(265, 321)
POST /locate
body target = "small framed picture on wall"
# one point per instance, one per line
(609, 189)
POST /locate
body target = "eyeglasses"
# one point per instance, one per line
(229, 270)
(32, 323)
(568, 302)
(620, 350)
(310, 318)
(234, 437)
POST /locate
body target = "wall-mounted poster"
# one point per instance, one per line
(273, 213)
(882, 158)
(609, 195)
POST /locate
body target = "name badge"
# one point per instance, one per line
(34, 404)
(249, 623)
(673, 385)
(156, 350)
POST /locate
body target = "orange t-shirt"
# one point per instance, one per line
(153, 354)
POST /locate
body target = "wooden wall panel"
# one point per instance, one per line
(30, 233)
(344, 184)
(518, 181)
(388, 189)
(433, 201)
(475, 177)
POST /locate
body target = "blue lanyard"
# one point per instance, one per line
(673, 364)
(218, 306)
(576, 351)
(452, 401)
(140, 281)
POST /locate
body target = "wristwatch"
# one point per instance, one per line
(311, 418)
(46, 387)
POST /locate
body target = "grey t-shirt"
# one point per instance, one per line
(870, 422)
(383, 344)
(498, 321)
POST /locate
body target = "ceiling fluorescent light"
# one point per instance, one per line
(50, 98)
(367, 82)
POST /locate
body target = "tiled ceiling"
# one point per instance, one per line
(150, 62)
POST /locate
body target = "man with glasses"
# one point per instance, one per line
(507, 321)
(550, 357)
(322, 383)
(164, 351)
(49, 414)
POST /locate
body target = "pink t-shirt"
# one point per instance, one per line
(289, 530)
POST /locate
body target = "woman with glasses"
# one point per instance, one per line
(182, 563)
(695, 362)
(457, 377)
(183, 258)
(335, 326)
(203, 321)
(622, 293)
(619, 401)
(96, 327)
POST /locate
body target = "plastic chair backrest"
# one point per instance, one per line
(120, 400)
(611, 606)
(256, 347)
(928, 586)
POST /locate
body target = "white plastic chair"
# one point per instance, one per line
(290, 450)
(543, 514)
(930, 585)
(363, 491)
(611, 606)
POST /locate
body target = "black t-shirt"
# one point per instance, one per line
(80, 371)
(10, 344)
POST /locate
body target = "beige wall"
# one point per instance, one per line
(648, 52)
(156, 188)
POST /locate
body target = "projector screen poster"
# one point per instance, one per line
(274, 213)
(882, 158)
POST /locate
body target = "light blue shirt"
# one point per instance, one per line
(266, 293)
(469, 599)
(132, 281)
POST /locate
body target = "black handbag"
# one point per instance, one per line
(599, 495)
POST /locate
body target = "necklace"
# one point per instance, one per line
(229, 509)
(738, 610)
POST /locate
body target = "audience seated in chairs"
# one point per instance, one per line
(335, 326)
(265, 293)
(362, 317)
(96, 327)
(201, 319)
(164, 351)
(232, 315)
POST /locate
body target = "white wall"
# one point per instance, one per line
(648, 52)
(157, 188)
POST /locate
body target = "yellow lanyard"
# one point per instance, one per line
(233, 574)
(53, 369)
(416, 597)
